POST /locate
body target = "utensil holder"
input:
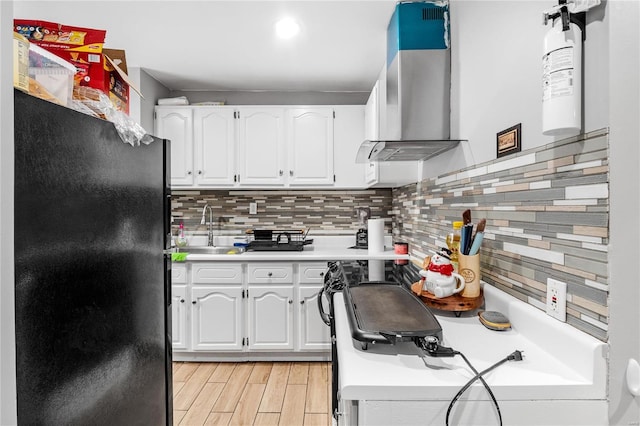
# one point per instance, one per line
(469, 268)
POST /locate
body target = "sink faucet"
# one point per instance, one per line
(202, 222)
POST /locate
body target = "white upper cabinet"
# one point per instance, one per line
(214, 134)
(372, 130)
(372, 114)
(176, 124)
(349, 134)
(261, 146)
(386, 174)
(310, 146)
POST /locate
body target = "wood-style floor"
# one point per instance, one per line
(252, 393)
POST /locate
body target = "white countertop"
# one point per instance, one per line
(323, 248)
(576, 370)
(308, 254)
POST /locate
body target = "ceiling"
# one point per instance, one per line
(231, 45)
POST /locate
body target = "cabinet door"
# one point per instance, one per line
(348, 136)
(216, 318)
(261, 143)
(270, 317)
(372, 130)
(310, 146)
(179, 316)
(313, 334)
(214, 144)
(371, 114)
(176, 124)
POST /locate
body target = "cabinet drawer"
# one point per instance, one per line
(270, 273)
(216, 273)
(178, 274)
(312, 273)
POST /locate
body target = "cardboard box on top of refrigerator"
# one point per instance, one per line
(96, 67)
(20, 62)
(80, 46)
(116, 80)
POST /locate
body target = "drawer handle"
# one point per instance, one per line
(181, 300)
(290, 301)
(322, 274)
(302, 302)
(270, 274)
(193, 302)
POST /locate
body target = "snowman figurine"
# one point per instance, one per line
(439, 278)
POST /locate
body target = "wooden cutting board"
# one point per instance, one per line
(455, 303)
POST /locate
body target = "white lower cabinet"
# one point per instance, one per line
(260, 307)
(270, 317)
(270, 309)
(217, 308)
(216, 318)
(179, 306)
(179, 316)
(313, 334)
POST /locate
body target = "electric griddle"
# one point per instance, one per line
(387, 312)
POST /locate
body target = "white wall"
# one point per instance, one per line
(624, 231)
(8, 410)
(496, 77)
(141, 109)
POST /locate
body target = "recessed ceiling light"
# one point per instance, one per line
(287, 28)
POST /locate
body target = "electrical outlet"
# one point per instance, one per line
(253, 208)
(557, 299)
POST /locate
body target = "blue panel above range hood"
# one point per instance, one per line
(417, 26)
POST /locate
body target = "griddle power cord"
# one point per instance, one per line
(436, 350)
(514, 356)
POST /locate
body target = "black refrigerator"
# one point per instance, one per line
(92, 277)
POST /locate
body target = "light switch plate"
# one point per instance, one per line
(557, 299)
(253, 208)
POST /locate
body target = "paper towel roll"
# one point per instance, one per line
(375, 235)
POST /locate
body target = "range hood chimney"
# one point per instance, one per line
(418, 82)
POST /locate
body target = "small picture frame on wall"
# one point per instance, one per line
(508, 141)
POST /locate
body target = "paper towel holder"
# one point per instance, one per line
(375, 233)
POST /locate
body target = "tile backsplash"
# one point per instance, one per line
(547, 212)
(326, 212)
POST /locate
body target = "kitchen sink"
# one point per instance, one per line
(212, 250)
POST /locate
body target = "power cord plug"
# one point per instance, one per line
(515, 355)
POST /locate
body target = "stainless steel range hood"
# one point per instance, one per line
(418, 83)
